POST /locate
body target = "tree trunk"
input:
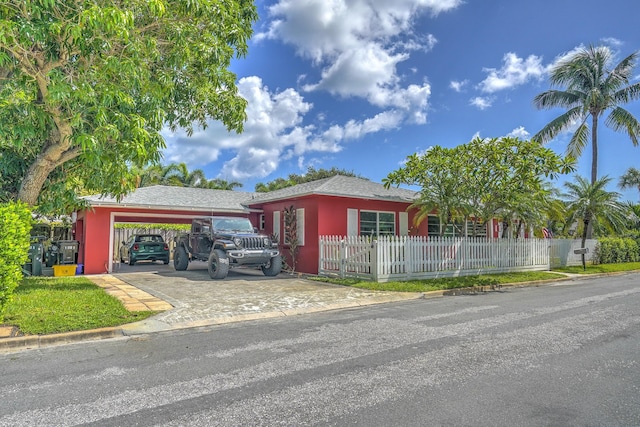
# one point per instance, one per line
(587, 225)
(594, 164)
(594, 148)
(57, 150)
(35, 177)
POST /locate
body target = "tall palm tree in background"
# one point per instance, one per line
(592, 204)
(591, 88)
(630, 179)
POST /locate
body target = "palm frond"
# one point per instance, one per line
(559, 124)
(578, 141)
(622, 120)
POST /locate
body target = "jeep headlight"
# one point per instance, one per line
(267, 242)
(238, 242)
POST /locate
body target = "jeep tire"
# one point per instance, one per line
(218, 264)
(274, 267)
(180, 259)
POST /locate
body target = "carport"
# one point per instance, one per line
(94, 227)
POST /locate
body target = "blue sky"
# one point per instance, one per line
(361, 84)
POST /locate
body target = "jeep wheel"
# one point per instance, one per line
(180, 259)
(218, 264)
(274, 267)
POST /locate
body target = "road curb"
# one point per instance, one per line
(29, 342)
(144, 327)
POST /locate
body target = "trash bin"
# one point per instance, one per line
(62, 252)
(33, 267)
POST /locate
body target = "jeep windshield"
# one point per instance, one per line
(240, 225)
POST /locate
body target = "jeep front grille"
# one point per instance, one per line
(253, 243)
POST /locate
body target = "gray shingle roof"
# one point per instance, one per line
(187, 198)
(179, 198)
(342, 186)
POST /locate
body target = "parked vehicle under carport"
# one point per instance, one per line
(144, 247)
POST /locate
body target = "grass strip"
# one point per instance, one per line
(444, 283)
(48, 305)
(601, 268)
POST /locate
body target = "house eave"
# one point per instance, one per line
(316, 193)
(94, 204)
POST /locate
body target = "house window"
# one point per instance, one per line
(377, 223)
(261, 222)
(457, 229)
(481, 229)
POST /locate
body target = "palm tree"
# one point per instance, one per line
(592, 87)
(630, 179)
(593, 204)
(221, 184)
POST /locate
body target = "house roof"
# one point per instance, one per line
(198, 199)
(179, 198)
(341, 186)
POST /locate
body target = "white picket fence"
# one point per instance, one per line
(402, 258)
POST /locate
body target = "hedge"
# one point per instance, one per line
(613, 250)
(15, 225)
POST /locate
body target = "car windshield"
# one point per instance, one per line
(230, 224)
(145, 239)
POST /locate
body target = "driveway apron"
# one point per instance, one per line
(246, 294)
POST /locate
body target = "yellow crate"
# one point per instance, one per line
(64, 270)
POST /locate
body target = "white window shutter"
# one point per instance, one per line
(300, 225)
(352, 222)
(276, 225)
(404, 223)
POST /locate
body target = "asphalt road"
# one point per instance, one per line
(565, 355)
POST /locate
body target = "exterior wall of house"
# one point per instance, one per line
(94, 231)
(327, 215)
(307, 257)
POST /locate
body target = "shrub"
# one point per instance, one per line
(15, 224)
(614, 250)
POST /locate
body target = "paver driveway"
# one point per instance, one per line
(245, 294)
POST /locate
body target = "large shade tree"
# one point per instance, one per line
(86, 86)
(484, 179)
(590, 85)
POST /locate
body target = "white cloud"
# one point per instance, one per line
(612, 41)
(519, 132)
(273, 132)
(458, 86)
(515, 71)
(358, 44)
(481, 102)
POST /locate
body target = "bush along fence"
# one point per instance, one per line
(388, 258)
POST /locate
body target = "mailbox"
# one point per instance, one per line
(581, 251)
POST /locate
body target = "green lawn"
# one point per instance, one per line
(602, 268)
(445, 282)
(48, 305)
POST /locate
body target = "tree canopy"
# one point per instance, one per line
(312, 174)
(592, 86)
(630, 179)
(483, 179)
(590, 203)
(86, 86)
(179, 175)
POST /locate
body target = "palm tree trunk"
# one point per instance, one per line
(594, 148)
(587, 224)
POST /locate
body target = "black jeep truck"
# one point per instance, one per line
(226, 242)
